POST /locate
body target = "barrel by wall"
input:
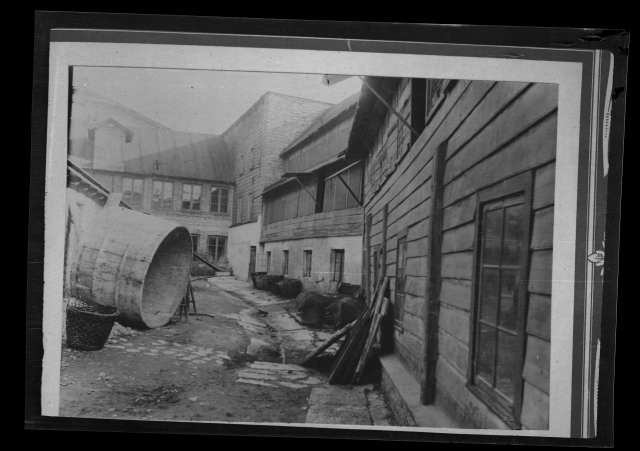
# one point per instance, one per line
(136, 262)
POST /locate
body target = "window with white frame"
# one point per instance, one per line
(217, 248)
(306, 269)
(219, 199)
(132, 191)
(162, 195)
(337, 264)
(191, 195)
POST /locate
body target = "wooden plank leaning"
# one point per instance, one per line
(380, 309)
(328, 342)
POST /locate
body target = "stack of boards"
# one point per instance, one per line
(352, 356)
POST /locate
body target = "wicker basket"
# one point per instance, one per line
(289, 288)
(266, 282)
(89, 324)
(254, 276)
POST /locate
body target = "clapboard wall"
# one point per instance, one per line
(493, 131)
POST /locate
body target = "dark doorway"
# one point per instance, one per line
(252, 260)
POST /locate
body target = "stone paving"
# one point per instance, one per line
(356, 405)
(193, 355)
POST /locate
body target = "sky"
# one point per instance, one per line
(199, 101)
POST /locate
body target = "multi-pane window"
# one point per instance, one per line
(306, 269)
(162, 195)
(285, 262)
(195, 239)
(219, 199)
(191, 196)
(132, 191)
(500, 299)
(217, 249)
(337, 264)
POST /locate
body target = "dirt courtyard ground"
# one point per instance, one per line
(234, 362)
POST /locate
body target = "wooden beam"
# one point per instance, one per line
(342, 170)
(367, 263)
(383, 263)
(434, 259)
(350, 191)
(385, 103)
(309, 193)
(328, 342)
(207, 263)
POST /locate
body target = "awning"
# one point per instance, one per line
(343, 169)
(341, 156)
(339, 175)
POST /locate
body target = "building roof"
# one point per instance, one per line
(167, 153)
(369, 115)
(178, 154)
(83, 96)
(262, 98)
(326, 120)
(75, 174)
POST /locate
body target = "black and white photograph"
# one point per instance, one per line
(399, 240)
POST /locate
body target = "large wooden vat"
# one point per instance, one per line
(136, 262)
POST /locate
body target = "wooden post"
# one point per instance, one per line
(383, 248)
(428, 376)
(367, 245)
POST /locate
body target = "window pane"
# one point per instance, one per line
(491, 240)
(505, 371)
(195, 197)
(224, 200)
(186, 196)
(127, 185)
(136, 198)
(508, 299)
(513, 235)
(167, 198)
(215, 199)
(486, 353)
(157, 194)
(489, 294)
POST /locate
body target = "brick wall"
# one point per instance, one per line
(202, 222)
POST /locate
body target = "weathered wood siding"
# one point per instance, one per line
(245, 139)
(321, 149)
(494, 130)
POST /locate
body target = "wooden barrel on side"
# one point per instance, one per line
(136, 262)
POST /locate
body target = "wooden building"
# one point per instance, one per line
(312, 217)
(459, 208)
(187, 178)
(256, 140)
